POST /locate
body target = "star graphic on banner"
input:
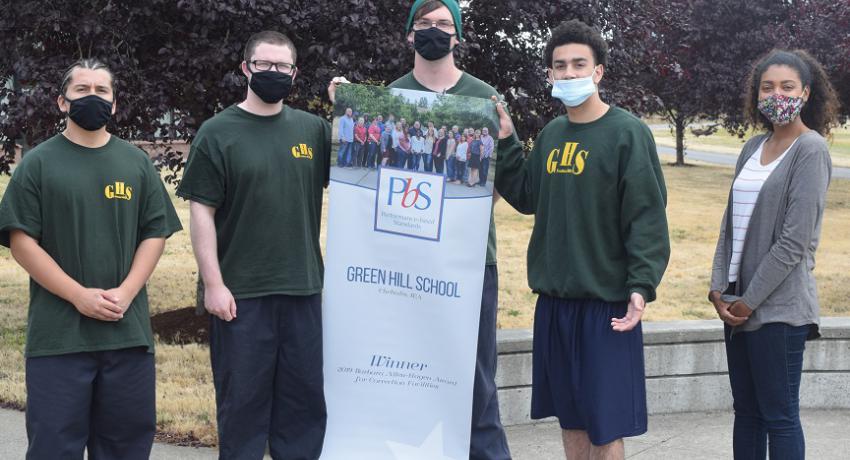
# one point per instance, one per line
(430, 449)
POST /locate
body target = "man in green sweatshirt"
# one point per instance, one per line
(597, 251)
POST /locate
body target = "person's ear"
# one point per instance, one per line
(244, 68)
(550, 76)
(598, 73)
(64, 105)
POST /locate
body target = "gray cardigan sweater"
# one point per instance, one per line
(775, 277)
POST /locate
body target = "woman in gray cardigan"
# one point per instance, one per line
(762, 284)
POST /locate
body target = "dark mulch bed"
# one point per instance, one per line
(185, 440)
(181, 327)
(12, 405)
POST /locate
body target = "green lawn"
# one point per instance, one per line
(723, 142)
(696, 198)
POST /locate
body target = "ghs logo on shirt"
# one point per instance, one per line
(567, 160)
(302, 151)
(118, 191)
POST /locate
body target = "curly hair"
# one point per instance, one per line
(575, 31)
(820, 112)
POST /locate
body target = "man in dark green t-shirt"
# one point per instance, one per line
(255, 176)
(597, 251)
(434, 28)
(86, 215)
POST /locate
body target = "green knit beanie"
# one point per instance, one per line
(450, 4)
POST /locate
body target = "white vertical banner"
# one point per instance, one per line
(403, 278)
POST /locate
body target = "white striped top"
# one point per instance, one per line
(745, 192)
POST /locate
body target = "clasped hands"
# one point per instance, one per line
(733, 314)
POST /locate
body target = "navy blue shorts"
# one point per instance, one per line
(585, 373)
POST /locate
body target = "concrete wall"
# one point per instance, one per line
(686, 369)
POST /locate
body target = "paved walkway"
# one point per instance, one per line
(730, 160)
(697, 436)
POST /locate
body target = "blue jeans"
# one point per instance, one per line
(373, 153)
(450, 168)
(427, 162)
(343, 156)
(413, 161)
(359, 154)
(485, 168)
(400, 158)
(764, 370)
(460, 171)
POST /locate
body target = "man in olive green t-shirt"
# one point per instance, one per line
(86, 215)
(434, 27)
(598, 249)
(255, 176)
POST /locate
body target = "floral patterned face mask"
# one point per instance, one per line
(781, 109)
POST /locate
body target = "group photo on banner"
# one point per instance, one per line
(415, 130)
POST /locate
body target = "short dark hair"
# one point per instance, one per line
(575, 31)
(820, 112)
(271, 37)
(87, 63)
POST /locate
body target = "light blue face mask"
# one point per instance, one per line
(573, 92)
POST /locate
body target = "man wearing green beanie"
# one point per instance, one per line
(418, 10)
(434, 29)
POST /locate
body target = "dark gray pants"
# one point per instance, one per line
(104, 401)
(488, 441)
(267, 370)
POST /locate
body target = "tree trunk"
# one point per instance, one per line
(680, 141)
(200, 309)
(22, 141)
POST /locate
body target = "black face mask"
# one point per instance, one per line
(90, 112)
(270, 86)
(432, 44)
